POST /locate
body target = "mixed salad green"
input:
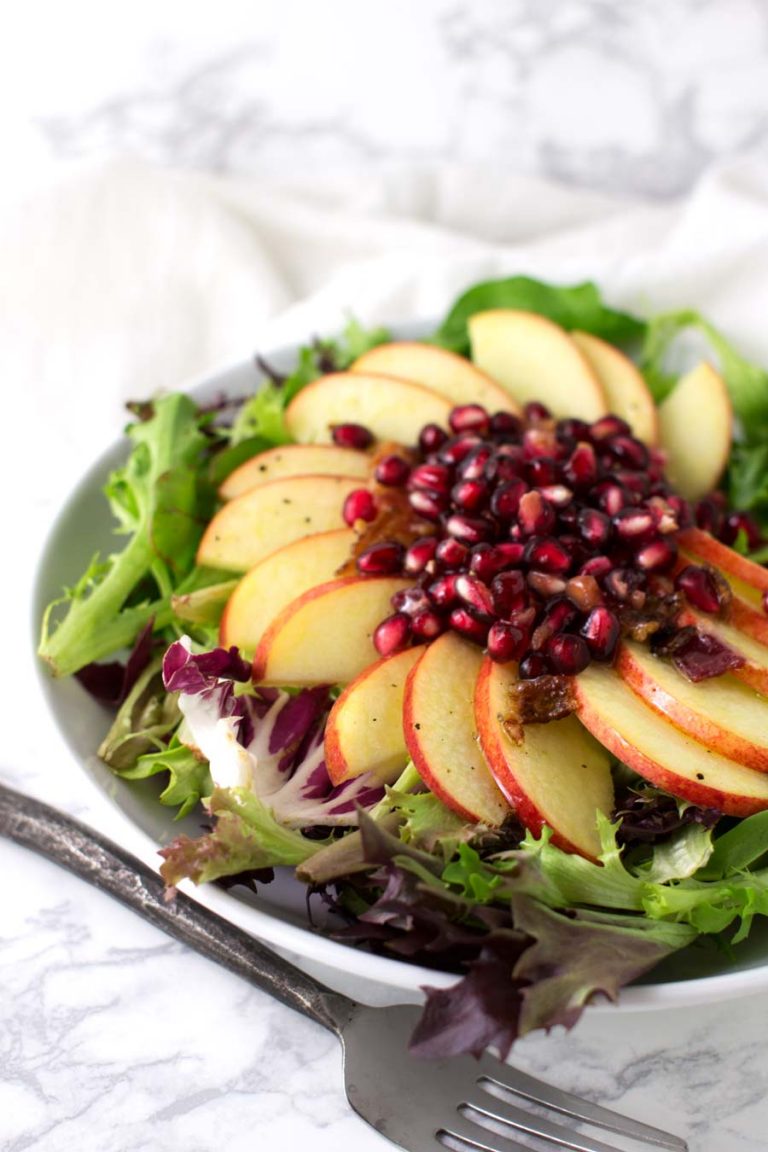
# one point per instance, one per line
(534, 932)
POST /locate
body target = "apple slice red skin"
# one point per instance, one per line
(335, 759)
(432, 770)
(236, 626)
(496, 749)
(696, 724)
(696, 792)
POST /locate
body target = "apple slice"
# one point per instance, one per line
(655, 749)
(326, 635)
(695, 430)
(277, 580)
(535, 359)
(626, 392)
(295, 460)
(453, 376)
(748, 580)
(251, 526)
(721, 713)
(441, 732)
(556, 775)
(364, 731)
(392, 409)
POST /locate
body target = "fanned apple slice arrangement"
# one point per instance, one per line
(500, 562)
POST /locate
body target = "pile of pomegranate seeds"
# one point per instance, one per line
(544, 540)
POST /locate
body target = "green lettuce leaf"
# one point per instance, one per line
(189, 779)
(574, 306)
(161, 498)
(245, 837)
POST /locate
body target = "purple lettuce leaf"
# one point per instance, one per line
(111, 683)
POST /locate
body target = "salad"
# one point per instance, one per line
(468, 632)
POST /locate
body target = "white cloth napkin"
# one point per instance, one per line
(124, 279)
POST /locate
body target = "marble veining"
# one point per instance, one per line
(623, 98)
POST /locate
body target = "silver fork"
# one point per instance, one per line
(421, 1105)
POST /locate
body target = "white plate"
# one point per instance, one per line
(277, 914)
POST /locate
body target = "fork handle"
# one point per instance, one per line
(111, 869)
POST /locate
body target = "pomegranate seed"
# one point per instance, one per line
(596, 566)
(427, 625)
(469, 418)
(419, 554)
(505, 642)
(392, 635)
(352, 436)
(594, 527)
(468, 529)
(452, 553)
(507, 464)
(542, 471)
(431, 438)
(580, 469)
(607, 427)
(393, 471)
(533, 665)
(433, 477)
(658, 556)
(704, 588)
(506, 498)
(509, 593)
(455, 450)
(601, 631)
(584, 592)
(442, 592)
(664, 515)
(506, 424)
(547, 555)
(359, 505)
(573, 429)
(568, 654)
(558, 616)
(708, 516)
(488, 559)
(627, 450)
(474, 464)
(411, 601)
(557, 495)
(536, 517)
(469, 495)
(546, 584)
(636, 482)
(738, 522)
(536, 413)
(539, 442)
(429, 505)
(381, 559)
(463, 622)
(524, 619)
(612, 498)
(475, 595)
(634, 523)
(621, 583)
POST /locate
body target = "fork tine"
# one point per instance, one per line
(533, 1125)
(460, 1128)
(510, 1079)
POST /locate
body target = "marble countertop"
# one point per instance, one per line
(114, 1038)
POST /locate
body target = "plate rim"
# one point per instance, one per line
(303, 943)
